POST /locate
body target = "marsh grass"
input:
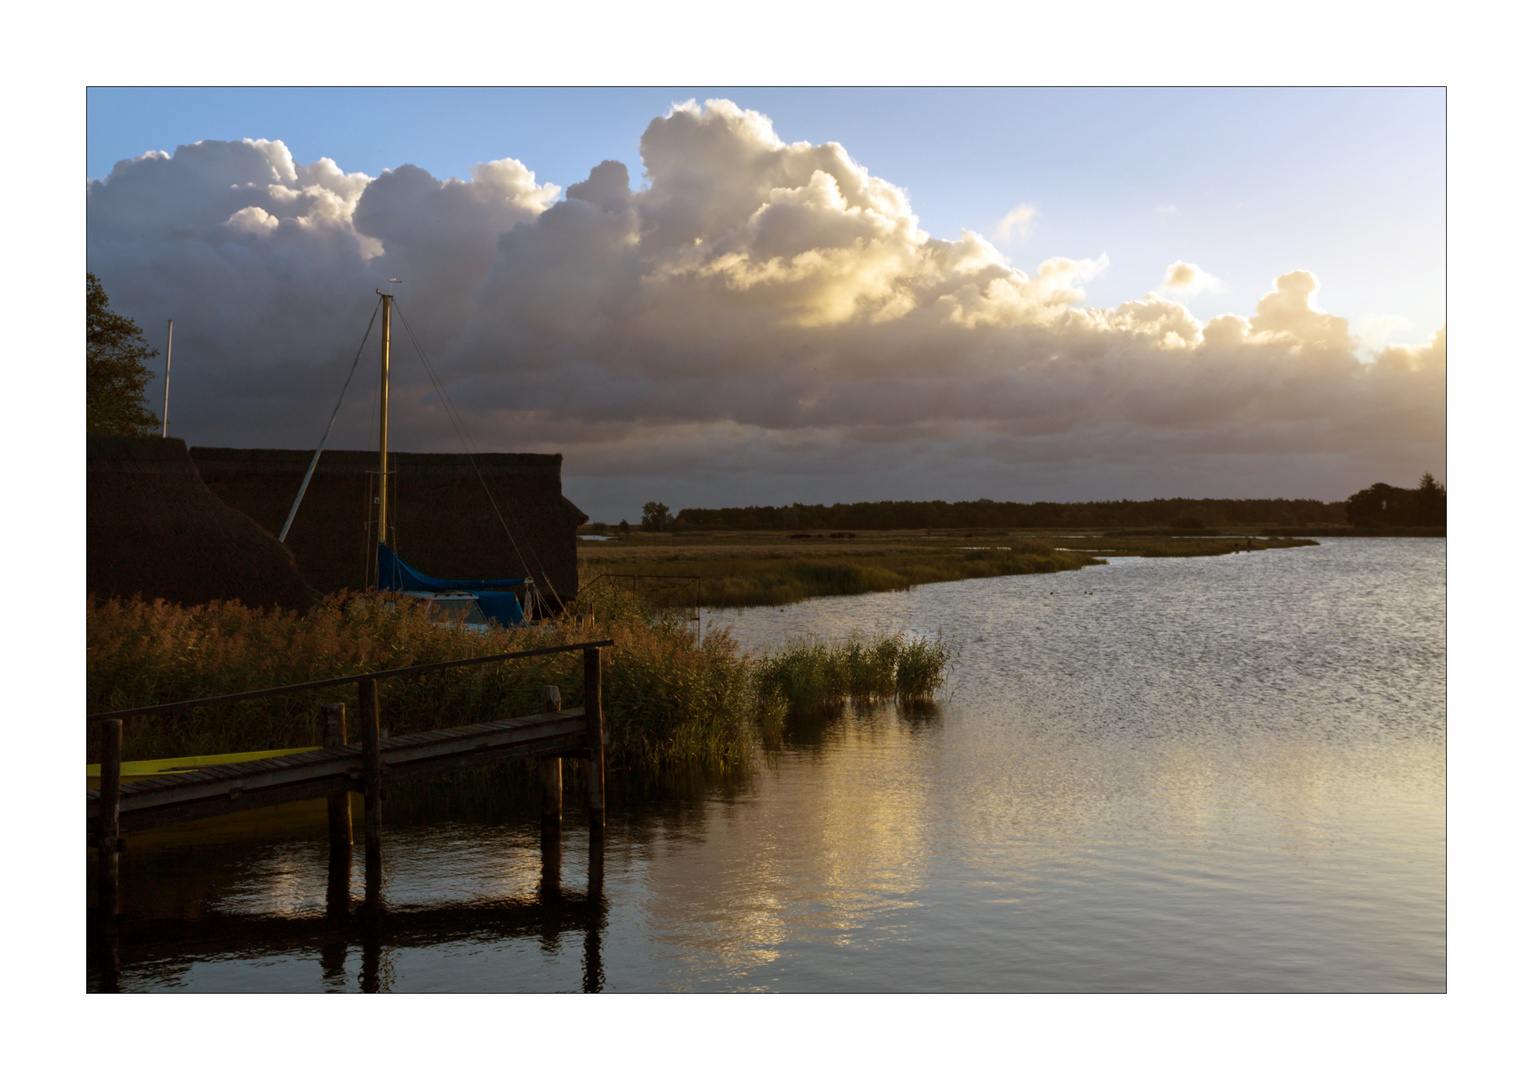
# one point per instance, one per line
(670, 701)
(810, 674)
(754, 578)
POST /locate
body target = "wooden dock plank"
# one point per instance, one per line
(221, 789)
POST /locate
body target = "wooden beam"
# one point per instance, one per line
(110, 819)
(372, 776)
(338, 809)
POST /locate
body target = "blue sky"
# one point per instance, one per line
(1348, 183)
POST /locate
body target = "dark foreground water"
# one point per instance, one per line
(1213, 774)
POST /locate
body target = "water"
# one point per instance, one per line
(1213, 774)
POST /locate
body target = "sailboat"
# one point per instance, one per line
(477, 602)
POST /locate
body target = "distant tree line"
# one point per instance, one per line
(987, 514)
(1383, 506)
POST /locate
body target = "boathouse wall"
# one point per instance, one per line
(444, 522)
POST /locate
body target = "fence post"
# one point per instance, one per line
(110, 819)
(372, 782)
(338, 805)
(595, 776)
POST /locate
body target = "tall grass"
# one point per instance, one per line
(670, 700)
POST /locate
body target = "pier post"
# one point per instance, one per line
(552, 770)
(372, 783)
(596, 781)
(338, 805)
(111, 817)
(553, 790)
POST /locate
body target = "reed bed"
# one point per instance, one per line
(670, 701)
(810, 674)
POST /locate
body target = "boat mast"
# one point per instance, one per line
(383, 428)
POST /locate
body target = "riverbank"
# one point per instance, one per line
(756, 569)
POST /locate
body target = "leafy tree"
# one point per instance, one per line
(623, 527)
(115, 369)
(657, 516)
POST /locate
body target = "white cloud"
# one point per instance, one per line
(1189, 279)
(1374, 331)
(1019, 224)
(759, 310)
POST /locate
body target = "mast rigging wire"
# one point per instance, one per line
(333, 413)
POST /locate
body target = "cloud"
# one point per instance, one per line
(1374, 331)
(756, 320)
(1019, 224)
(1189, 280)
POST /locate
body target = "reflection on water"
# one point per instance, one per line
(1206, 774)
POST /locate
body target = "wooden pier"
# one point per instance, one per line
(367, 766)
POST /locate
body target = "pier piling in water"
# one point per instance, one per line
(372, 778)
(552, 769)
(110, 822)
(338, 805)
(596, 797)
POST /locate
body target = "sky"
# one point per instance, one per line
(776, 295)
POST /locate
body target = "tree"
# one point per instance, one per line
(1384, 506)
(116, 371)
(657, 516)
(1431, 502)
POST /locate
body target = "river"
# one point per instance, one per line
(1210, 774)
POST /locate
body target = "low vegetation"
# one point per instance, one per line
(670, 699)
(756, 569)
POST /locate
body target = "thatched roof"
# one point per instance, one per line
(444, 524)
(154, 529)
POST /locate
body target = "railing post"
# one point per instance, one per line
(596, 782)
(372, 783)
(552, 770)
(110, 818)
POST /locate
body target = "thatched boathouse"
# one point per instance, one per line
(443, 521)
(153, 529)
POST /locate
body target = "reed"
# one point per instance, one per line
(810, 674)
(671, 702)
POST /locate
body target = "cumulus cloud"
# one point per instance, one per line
(1189, 279)
(754, 320)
